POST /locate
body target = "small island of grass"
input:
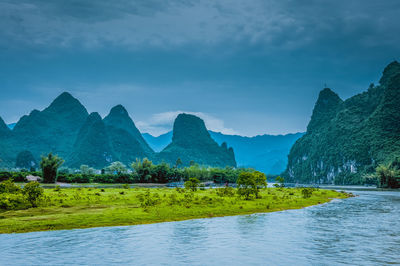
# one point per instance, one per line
(70, 208)
(33, 208)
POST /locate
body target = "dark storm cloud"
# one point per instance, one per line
(262, 61)
(285, 24)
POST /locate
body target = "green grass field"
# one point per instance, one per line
(71, 208)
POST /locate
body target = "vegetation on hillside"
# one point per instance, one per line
(65, 128)
(192, 142)
(346, 140)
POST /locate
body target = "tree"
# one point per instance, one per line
(117, 168)
(388, 175)
(144, 169)
(280, 182)
(50, 165)
(192, 184)
(178, 162)
(86, 170)
(161, 172)
(249, 183)
(33, 192)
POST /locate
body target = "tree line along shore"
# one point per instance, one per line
(30, 207)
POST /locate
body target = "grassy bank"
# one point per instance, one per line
(94, 207)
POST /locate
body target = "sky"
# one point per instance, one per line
(246, 67)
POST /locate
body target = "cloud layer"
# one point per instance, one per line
(280, 24)
(256, 65)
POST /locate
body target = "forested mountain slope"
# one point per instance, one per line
(347, 139)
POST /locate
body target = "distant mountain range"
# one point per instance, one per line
(267, 153)
(347, 139)
(67, 129)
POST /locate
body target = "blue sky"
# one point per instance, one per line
(246, 66)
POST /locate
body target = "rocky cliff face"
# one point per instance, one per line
(346, 139)
(192, 142)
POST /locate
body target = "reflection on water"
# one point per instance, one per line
(361, 230)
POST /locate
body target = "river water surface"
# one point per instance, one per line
(364, 230)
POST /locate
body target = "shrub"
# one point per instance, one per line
(8, 186)
(192, 184)
(13, 201)
(19, 176)
(78, 178)
(307, 192)
(147, 199)
(5, 176)
(124, 178)
(172, 199)
(33, 192)
(225, 192)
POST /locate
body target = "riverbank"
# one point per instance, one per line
(71, 208)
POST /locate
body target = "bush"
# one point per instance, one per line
(5, 176)
(82, 179)
(225, 192)
(8, 186)
(192, 184)
(173, 199)
(33, 192)
(124, 178)
(13, 201)
(307, 192)
(147, 199)
(19, 176)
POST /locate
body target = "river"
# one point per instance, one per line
(363, 230)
